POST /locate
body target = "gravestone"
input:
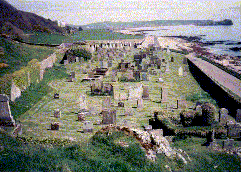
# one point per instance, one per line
(55, 126)
(180, 71)
(137, 75)
(140, 103)
(238, 115)
(66, 62)
(120, 104)
(57, 113)
(234, 130)
(228, 144)
(106, 103)
(56, 96)
(199, 110)
(223, 115)
(82, 102)
(164, 94)
(109, 117)
(87, 127)
(81, 116)
(123, 95)
(184, 61)
(6, 119)
(77, 59)
(167, 67)
(210, 136)
(145, 94)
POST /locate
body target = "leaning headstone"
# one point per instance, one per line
(238, 115)
(55, 126)
(109, 117)
(57, 113)
(6, 119)
(106, 103)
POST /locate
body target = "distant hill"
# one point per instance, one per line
(155, 23)
(14, 22)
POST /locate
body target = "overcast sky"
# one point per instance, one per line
(82, 12)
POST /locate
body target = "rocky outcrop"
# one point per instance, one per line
(151, 142)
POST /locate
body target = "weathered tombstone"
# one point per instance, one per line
(238, 115)
(180, 71)
(184, 61)
(55, 126)
(81, 116)
(57, 113)
(56, 96)
(77, 59)
(66, 62)
(82, 102)
(145, 94)
(6, 119)
(234, 130)
(109, 117)
(87, 127)
(120, 104)
(199, 110)
(223, 114)
(106, 103)
(164, 94)
(140, 103)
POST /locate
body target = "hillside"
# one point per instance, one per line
(15, 22)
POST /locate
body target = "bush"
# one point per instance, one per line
(187, 118)
(208, 113)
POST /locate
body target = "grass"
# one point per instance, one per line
(18, 55)
(92, 34)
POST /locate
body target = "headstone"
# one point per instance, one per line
(180, 71)
(120, 104)
(167, 67)
(137, 75)
(199, 109)
(6, 119)
(66, 62)
(57, 113)
(164, 94)
(81, 116)
(145, 92)
(223, 115)
(144, 76)
(238, 115)
(228, 144)
(55, 126)
(234, 130)
(56, 96)
(123, 96)
(109, 117)
(77, 59)
(87, 127)
(140, 103)
(106, 103)
(82, 102)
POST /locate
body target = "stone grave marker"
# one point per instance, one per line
(106, 103)
(55, 126)
(87, 127)
(228, 144)
(109, 117)
(144, 76)
(66, 62)
(223, 114)
(167, 67)
(234, 130)
(77, 59)
(6, 118)
(82, 102)
(199, 109)
(81, 116)
(238, 115)
(137, 75)
(57, 113)
(140, 103)
(164, 94)
(123, 95)
(180, 71)
(145, 94)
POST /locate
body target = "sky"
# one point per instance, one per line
(81, 12)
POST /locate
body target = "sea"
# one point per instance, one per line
(225, 37)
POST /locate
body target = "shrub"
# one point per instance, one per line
(208, 113)
(187, 117)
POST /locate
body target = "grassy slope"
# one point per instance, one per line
(18, 55)
(93, 34)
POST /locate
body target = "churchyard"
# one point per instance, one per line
(176, 83)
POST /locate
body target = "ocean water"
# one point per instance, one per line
(226, 34)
